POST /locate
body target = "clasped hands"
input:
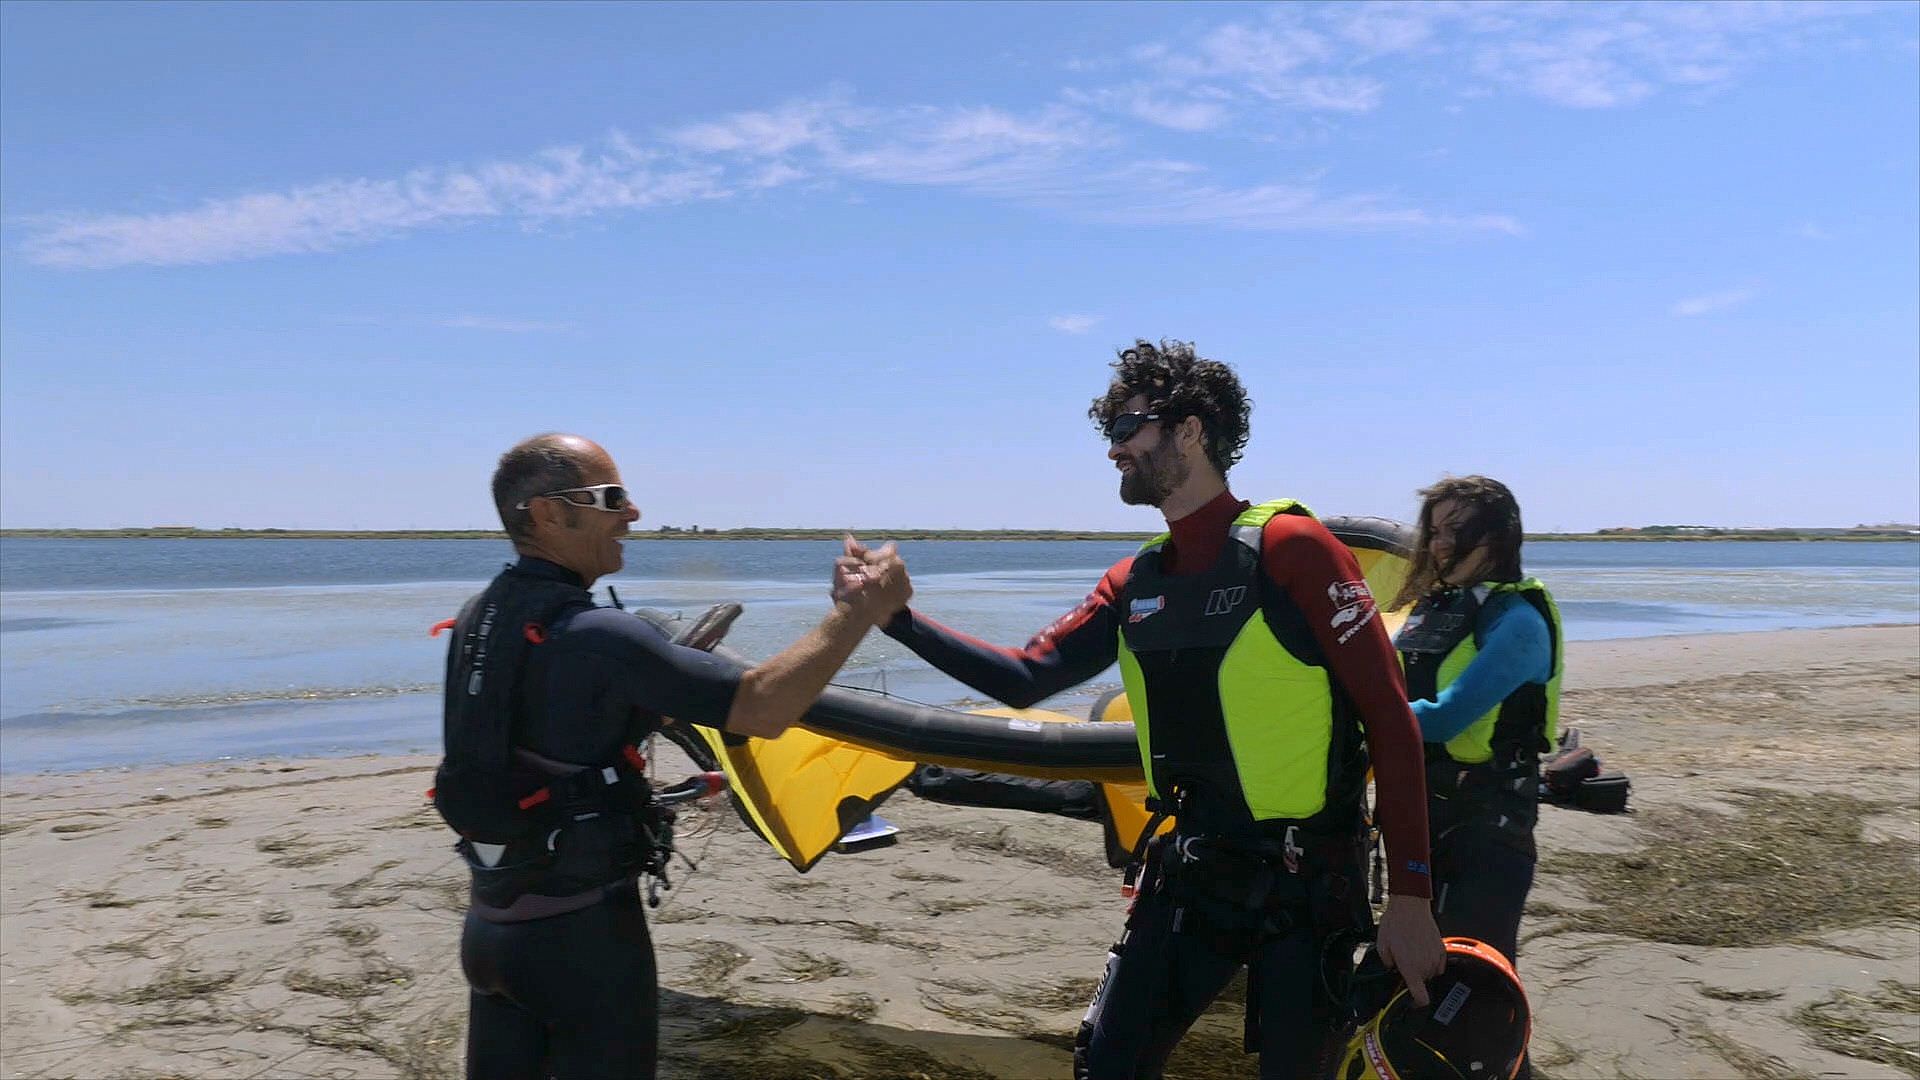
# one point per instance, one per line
(872, 582)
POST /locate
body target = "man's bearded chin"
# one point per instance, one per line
(1152, 479)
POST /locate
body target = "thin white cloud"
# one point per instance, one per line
(1326, 93)
(1592, 55)
(1069, 157)
(1610, 55)
(1280, 45)
(1287, 208)
(1173, 108)
(503, 326)
(981, 149)
(558, 183)
(1807, 230)
(768, 133)
(1074, 324)
(1272, 61)
(1059, 157)
(1189, 115)
(1168, 167)
(1383, 29)
(775, 175)
(963, 146)
(1576, 73)
(1708, 303)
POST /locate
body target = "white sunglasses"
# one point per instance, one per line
(611, 498)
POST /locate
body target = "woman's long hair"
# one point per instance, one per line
(1494, 518)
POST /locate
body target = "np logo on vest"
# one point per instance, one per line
(1221, 601)
(1145, 609)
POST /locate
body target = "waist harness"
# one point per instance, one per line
(1234, 893)
(1502, 793)
(1240, 888)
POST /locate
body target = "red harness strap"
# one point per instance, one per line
(630, 752)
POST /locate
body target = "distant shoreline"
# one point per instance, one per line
(887, 534)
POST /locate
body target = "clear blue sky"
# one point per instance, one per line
(316, 265)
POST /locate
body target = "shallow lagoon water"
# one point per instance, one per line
(122, 652)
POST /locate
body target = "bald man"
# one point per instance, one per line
(547, 693)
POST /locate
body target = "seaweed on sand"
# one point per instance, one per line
(1785, 867)
(1871, 1027)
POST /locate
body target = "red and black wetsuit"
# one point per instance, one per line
(1163, 978)
(1300, 557)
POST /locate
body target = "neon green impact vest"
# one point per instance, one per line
(1532, 706)
(1217, 697)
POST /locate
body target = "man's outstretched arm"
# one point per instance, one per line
(1072, 649)
(764, 699)
(774, 692)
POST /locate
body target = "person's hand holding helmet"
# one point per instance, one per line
(1409, 943)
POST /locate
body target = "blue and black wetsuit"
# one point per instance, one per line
(575, 995)
(1515, 648)
(1482, 874)
(1483, 848)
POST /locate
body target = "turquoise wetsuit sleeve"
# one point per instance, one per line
(1515, 648)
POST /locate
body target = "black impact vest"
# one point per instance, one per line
(540, 837)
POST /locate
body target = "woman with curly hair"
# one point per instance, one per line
(1482, 650)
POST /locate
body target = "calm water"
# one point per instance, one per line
(132, 651)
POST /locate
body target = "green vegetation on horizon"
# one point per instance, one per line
(496, 534)
(1654, 532)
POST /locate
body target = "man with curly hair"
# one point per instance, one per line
(1262, 685)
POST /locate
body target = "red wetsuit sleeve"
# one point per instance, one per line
(1325, 583)
(1072, 649)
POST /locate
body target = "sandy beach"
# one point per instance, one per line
(1758, 915)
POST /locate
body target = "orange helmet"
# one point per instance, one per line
(1476, 1028)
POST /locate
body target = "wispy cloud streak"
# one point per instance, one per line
(1708, 303)
(503, 326)
(1058, 157)
(565, 182)
(1341, 58)
(1086, 155)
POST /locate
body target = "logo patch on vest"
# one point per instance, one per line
(1221, 601)
(1431, 632)
(1147, 608)
(1352, 603)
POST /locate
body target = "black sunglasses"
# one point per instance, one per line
(1127, 425)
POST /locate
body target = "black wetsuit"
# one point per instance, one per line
(1174, 960)
(576, 995)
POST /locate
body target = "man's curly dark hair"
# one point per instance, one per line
(1178, 382)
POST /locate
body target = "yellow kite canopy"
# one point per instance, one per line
(803, 790)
